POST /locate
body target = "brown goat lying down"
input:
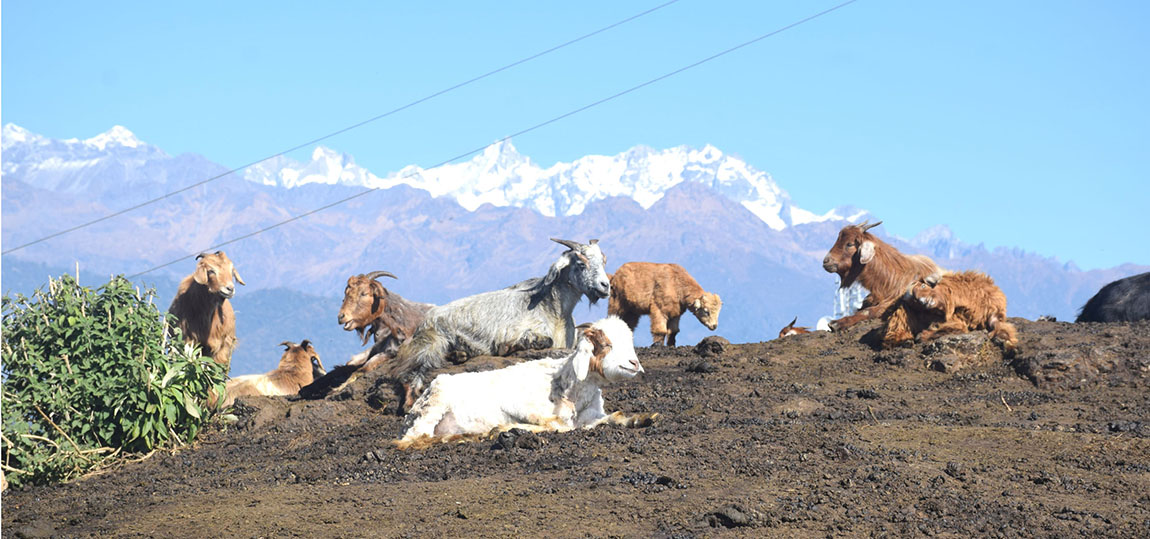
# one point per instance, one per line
(663, 292)
(792, 330)
(376, 313)
(298, 367)
(956, 303)
(202, 308)
(859, 256)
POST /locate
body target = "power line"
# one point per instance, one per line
(341, 131)
(517, 133)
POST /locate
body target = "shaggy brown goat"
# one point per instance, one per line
(792, 330)
(373, 312)
(952, 303)
(860, 256)
(202, 309)
(298, 367)
(663, 292)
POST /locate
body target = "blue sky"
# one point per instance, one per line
(1019, 124)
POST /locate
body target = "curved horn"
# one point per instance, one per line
(201, 255)
(304, 343)
(792, 324)
(573, 245)
(865, 227)
(377, 274)
(287, 344)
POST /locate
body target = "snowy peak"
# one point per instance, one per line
(116, 136)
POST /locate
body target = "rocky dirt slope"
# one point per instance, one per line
(810, 435)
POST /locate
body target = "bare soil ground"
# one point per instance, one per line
(810, 435)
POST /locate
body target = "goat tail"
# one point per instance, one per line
(1005, 333)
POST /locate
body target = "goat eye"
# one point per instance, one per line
(211, 272)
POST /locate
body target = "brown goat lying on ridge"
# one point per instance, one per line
(299, 366)
(860, 256)
(663, 292)
(202, 309)
(374, 312)
(948, 304)
(377, 313)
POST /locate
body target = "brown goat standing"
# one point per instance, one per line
(860, 256)
(202, 309)
(792, 330)
(299, 366)
(663, 292)
(958, 303)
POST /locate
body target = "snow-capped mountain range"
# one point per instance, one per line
(452, 231)
(501, 176)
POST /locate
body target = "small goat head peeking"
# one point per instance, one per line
(853, 241)
(608, 352)
(217, 273)
(301, 354)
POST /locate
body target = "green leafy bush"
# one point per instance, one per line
(88, 374)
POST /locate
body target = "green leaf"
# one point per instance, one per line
(191, 406)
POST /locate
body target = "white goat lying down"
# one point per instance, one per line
(546, 394)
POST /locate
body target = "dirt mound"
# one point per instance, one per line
(810, 434)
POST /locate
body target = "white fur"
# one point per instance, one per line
(547, 394)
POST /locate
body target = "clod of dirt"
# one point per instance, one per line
(728, 516)
(517, 438)
(958, 352)
(868, 394)
(955, 470)
(712, 346)
(701, 366)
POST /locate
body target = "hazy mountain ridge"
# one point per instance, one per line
(443, 251)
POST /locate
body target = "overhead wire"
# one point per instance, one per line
(340, 131)
(517, 133)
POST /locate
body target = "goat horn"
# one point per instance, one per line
(573, 245)
(201, 255)
(792, 324)
(865, 227)
(304, 343)
(377, 274)
(287, 344)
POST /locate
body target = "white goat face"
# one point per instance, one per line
(588, 272)
(607, 348)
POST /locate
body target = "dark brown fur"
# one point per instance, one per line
(373, 311)
(663, 292)
(886, 274)
(203, 310)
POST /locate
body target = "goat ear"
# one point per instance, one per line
(201, 274)
(866, 252)
(583, 352)
(556, 268)
(698, 303)
(236, 275)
